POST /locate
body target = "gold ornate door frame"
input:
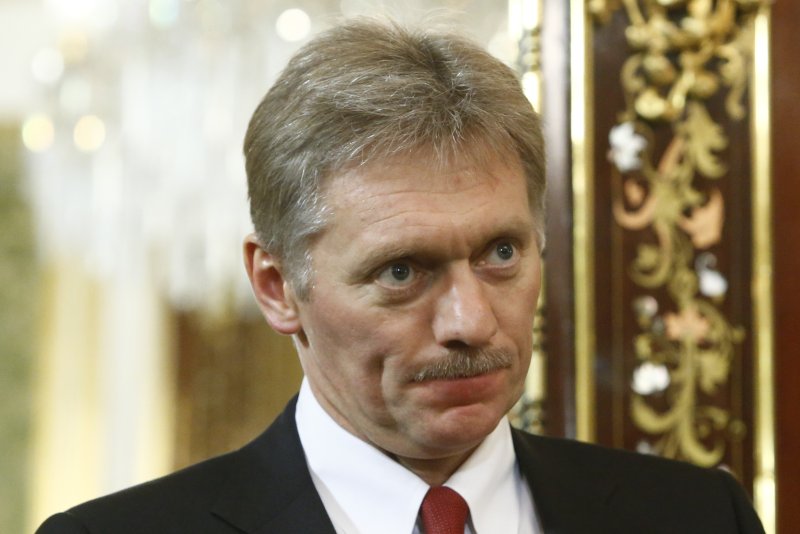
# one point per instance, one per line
(681, 59)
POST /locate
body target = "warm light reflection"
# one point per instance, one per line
(89, 133)
(74, 46)
(531, 86)
(38, 133)
(293, 25)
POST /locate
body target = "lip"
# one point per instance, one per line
(461, 391)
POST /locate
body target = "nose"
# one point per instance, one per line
(464, 313)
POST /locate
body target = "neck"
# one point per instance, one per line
(436, 471)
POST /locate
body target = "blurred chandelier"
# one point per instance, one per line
(136, 166)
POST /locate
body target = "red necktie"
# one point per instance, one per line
(443, 511)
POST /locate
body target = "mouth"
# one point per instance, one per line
(463, 390)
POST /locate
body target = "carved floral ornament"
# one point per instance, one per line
(683, 52)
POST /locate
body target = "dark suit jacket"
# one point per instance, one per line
(265, 487)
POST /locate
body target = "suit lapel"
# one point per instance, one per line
(570, 493)
(269, 488)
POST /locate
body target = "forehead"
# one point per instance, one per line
(411, 194)
(425, 170)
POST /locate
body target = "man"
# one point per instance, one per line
(396, 183)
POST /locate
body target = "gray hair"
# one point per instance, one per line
(365, 91)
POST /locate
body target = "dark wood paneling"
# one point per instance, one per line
(734, 256)
(616, 327)
(234, 376)
(611, 311)
(786, 230)
(559, 331)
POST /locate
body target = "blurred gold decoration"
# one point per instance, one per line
(19, 312)
(683, 49)
(683, 53)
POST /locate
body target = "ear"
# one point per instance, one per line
(272, 291)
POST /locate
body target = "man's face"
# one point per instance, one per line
(417, 333)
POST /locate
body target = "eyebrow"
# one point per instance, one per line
(520, 229)
(380, 255)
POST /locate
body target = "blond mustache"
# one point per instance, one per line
(464, 364)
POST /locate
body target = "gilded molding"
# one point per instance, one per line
(524, 25)
(683, 53)
(764, 327)
(581, 127)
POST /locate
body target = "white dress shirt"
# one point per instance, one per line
(364, 491)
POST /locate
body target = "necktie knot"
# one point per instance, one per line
(444, 511)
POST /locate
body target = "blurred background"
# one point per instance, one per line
(129, 342)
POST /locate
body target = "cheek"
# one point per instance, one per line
(348, 338)
(517, 310)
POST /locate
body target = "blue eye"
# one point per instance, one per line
(400, 271)
(503, 252)
(397, 274)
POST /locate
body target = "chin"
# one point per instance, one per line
(466, 426)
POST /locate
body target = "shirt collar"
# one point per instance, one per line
(373, 493)
(488, 484)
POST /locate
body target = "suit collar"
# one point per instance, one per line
(269, 488)
(570, 490)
